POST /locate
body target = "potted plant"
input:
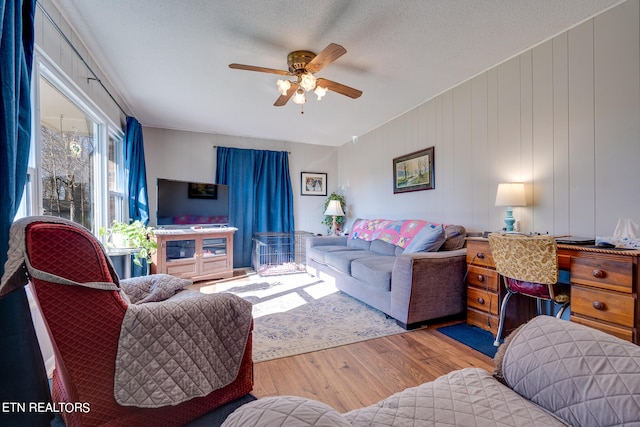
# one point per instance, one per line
(134, 235)
(328, 219)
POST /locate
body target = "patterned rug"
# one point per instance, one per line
(298, 313)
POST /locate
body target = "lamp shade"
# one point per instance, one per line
(334, 208)
(511, 194)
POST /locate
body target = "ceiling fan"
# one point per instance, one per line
(303, 65)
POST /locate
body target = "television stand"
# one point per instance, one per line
(201, 254)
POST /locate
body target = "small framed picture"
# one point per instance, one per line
(203, 191)
(413, 171)
(313, 184)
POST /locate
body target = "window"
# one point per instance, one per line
(78, 163)
(68, 146)
(115, 180)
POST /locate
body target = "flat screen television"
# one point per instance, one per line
(182, 204)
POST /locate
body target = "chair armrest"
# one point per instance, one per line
(152, 288)
(326, 241)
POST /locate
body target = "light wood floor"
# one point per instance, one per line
(360, 374)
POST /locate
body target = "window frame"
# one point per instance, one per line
(106, 129)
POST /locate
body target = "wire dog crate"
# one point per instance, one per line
(279, 253)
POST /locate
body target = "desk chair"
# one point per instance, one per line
(528, 266)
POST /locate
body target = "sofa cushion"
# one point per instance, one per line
(383, 248)
(318, 253)
(341, 260)
(375, 270)
(359, 244)
(456, 235)
(468, 397)
(429, 239)
(583, 376)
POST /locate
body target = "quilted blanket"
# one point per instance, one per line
(174, 344)
(184, 347)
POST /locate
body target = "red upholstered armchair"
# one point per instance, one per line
(85, 323)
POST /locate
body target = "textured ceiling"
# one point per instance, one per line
(169, 58)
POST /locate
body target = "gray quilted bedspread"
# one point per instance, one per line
(468, 397)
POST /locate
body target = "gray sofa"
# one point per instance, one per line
(549, 372)
(372, 265)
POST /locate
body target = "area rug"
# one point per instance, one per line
(298, 313)
(471, 336)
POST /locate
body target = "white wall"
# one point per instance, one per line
(191, 156)
(50, 43)
(563, 116)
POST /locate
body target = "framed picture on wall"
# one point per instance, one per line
(414, 171)
(313, 184)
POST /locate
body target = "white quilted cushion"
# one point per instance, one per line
(468, 397)
(582, 375)
(285, 411)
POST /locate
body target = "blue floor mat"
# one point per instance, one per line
(471, 336)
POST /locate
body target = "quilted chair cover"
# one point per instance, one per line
(582, 375)
(525, 258)
(84, 325)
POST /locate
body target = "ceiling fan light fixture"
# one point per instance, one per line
(320, 92)
(307, 81)
(299, 97)
(283, 86)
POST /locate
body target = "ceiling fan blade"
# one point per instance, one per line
(339, 88)
(259, 69)
(283, 99)
(327, 56)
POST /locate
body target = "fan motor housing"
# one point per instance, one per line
(298, 60)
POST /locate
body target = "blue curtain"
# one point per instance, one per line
(135, 165)
(22, 374)
(260, 195)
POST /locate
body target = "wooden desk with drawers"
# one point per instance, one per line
(604, 289)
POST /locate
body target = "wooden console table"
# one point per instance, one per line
(604, 289)
(201, 254)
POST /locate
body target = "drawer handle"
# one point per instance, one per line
(598, 273)
(480, 278)
(480, 255)
(598, 305)
(480, 300)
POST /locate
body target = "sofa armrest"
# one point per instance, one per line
(581, 375)
(428, 285)
(326, 241)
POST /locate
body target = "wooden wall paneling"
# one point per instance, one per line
(445, 175)
(462, 149)
(560, 136)
(581, 137)
(542, 117)
(496, 214)
(481, 201)
(526, 138)
(509, 144)
(617, 109)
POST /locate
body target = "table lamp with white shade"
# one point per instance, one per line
(510, 194)
(334, 209)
